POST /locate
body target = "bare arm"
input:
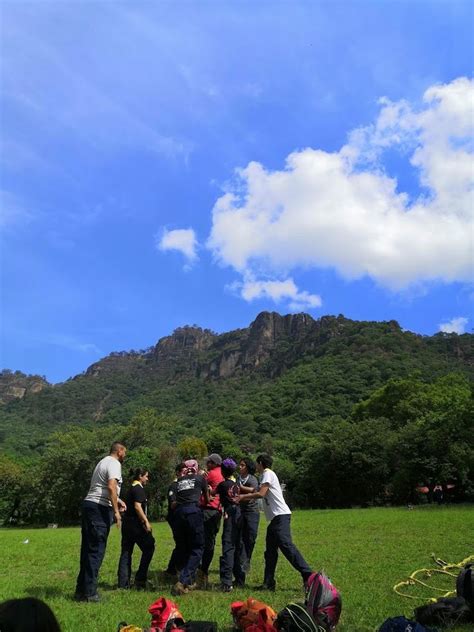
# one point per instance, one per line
(114, 499)
(260, 493)
(246, 490)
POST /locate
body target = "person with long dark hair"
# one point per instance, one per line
(250, 512)
(136, 529)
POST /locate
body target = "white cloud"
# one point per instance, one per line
(454, 326)
(278, 291)
(341, 210)
(72, 343)
(183, 240)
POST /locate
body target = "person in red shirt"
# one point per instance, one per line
(212, 515)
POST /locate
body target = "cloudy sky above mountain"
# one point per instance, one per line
(177, 163)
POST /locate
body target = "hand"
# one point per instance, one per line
(118, 519)
(122, 506)
(147, 526)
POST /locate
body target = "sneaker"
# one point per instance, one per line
(179, 589)
(268, 588)
(226, 588)
(87, 598)
(92, 598)
(192, 586)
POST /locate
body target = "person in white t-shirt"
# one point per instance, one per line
(278, 514)
(100, 508)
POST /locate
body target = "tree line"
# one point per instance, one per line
(405, 434)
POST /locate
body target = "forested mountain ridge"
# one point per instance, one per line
(353, 413)
(279, 376)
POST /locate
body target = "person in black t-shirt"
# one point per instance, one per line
(189, 525)
(136, 529)
(174, 563)
(229, 561)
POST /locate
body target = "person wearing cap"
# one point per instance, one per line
(189, 525)
(211, 509)
(278, 514)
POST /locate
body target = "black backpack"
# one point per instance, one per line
(447, 611)
(465, 585)
(295, 618)
(200, 626)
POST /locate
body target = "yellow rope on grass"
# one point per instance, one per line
(445, 569)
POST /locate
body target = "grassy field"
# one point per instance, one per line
(364, 551)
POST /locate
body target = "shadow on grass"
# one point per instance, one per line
(162, 579)
(45, 592)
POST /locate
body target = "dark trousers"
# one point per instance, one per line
(249, 531)
(279, 537)
(174, 563)
(212, 521)
(229, 561)
(133, 533)
(96, 521)
(189, 530)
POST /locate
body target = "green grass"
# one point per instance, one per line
(364, 551)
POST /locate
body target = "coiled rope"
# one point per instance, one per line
(445, 568)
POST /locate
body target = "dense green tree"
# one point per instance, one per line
(192, 447)
(223, 442)
(12, 483)
(347, 464)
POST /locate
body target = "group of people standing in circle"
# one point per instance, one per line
(199, 500)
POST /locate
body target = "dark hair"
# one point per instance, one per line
(265, 460)
(27, 615)
(115, 447)
(179, 466)
(136, 472)
(249, 464)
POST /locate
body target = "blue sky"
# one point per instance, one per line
(171, 163)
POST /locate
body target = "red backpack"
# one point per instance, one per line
(323, 601)
(165, 615)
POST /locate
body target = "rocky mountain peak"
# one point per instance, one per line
(15, 385)
(179, 352)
